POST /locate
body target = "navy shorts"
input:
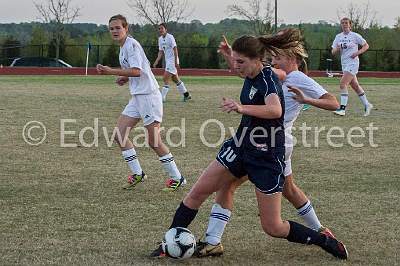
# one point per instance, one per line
(264, 167)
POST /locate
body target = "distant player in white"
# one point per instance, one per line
(167, 47)
(298, 89)
(347, 44)
(145, 104)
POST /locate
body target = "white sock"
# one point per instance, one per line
(181, 87)
(219, 217)
(164, 91)
(344, 97)
(133, 163)
(170, 166)
(308, 214)
(363, 99)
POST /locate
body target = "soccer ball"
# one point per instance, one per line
(179, 243)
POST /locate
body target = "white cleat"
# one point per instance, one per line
(340, 112)
(368, 109)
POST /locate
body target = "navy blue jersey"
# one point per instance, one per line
(257, 132)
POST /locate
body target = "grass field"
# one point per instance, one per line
(64, 205)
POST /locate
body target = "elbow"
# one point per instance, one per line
(275, 114)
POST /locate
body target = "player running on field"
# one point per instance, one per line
(257, 150)
(346, 43)
(168, 48)
(298, 89)
(145, 104)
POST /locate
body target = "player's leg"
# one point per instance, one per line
(361, 94)
(164, 91)
(181, 87)
(166, 158)
(219, 218)
(269, 206)
(128, 120)
(212, 178)
(344, 93)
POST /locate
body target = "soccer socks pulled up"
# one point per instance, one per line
(164, 92)
(219, 217)
(131, 158)
(181, 87)
(170, 166)
(183, 216)
(308, 214)
(364, 99)
(344, 97)
(300, 234)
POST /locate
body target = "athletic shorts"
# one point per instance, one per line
(264, 168)
(148, 107)
(289, 144)
(171, 68)
(351, 68)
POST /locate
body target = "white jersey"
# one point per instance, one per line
(131, 55)
(307, 85)
(167, 45)
(348, 46)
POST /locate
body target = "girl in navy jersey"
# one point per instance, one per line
(145, 104)
(257, 149)
(298, 89)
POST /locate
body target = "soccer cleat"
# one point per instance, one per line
(187, 97)
(306, 107)
(203, 249)
(335, 247)
(158, 252)
(340, 112)
(134, 179)
(368, 109)
(325, 231)
(172, 184)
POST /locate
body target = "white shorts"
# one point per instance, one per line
(288, 148)
(148, 107)
(351, 68)
(171, 68)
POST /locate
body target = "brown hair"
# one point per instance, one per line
(119, 17)
(287, 42)
(346, 18)
(164, 25)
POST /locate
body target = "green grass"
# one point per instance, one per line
(66, 206)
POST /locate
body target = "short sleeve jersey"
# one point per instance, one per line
(167, 44)
(307, 85)
(131, 55)
(348, 45)
(270, 132)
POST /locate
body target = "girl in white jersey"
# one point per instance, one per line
(298, 89)
(347, 43)
(145, 104)
(167, 47)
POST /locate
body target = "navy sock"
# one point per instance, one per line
(183, 216)
(300, 234)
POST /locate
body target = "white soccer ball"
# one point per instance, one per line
(179, 243)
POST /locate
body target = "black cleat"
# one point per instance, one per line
(335, 247)
(158, 253)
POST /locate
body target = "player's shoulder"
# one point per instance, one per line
(297, 76)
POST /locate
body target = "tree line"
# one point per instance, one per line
(197, 42)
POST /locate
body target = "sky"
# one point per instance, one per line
(289, 11)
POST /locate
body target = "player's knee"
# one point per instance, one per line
(289, 190)
(274, 229)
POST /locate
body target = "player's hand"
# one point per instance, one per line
(354, 55)
(177, 66)
(103, 70)
(298, 94)
(224, 48)
(229, 105)
(121, 80)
